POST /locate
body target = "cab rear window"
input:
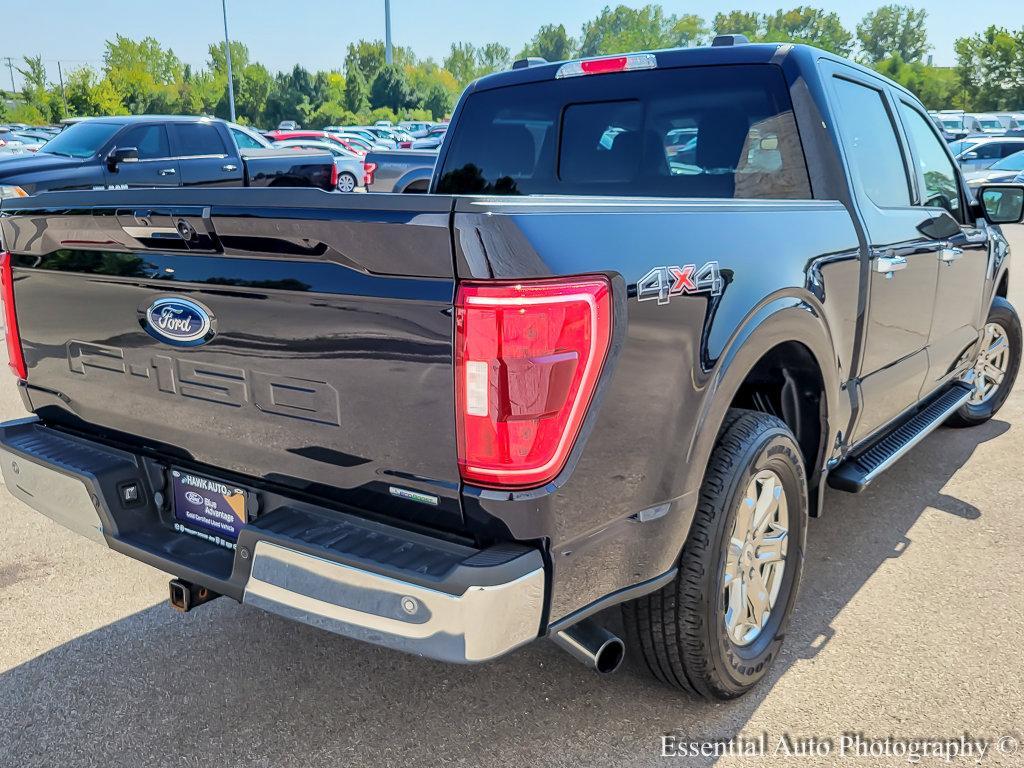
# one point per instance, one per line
(719, 132)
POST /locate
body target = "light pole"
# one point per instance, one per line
(227, 50)
(388, 55)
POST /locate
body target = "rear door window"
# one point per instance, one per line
(872, 148)
(197, 139)
(720, 132)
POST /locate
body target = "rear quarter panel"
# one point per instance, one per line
(791, 271)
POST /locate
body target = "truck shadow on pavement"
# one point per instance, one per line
(227, 685)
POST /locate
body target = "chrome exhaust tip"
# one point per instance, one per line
(593, 645)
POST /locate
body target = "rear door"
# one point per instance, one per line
(902, 251)
(155, 166)
(206, 155)
(328, 364)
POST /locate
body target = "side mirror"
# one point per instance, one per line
(1001, 203)
(122, 155)
(969, 156)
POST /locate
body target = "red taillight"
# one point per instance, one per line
(405, 145)
(14, 355)
(368, 170)
(334, 176)
(528, 356)
(603, 66)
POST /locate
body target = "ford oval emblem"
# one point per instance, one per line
(178, 321)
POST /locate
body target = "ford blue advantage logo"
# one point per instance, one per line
(178, 321)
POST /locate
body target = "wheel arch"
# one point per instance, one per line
(765, 344)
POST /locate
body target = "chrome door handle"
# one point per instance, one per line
(167, 171)
(229, 167)
(886, 265)
(950, 253)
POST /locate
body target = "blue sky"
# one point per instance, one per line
(280, 33)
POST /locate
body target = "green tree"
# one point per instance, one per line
(438, 102)
(551, 42)
(622, 29)
(390, 89)
(461, 62)
(357, 91)
(990, 66)
(142, 72)
(252, 91)
(189, 98)
(803, 24)
(812, 26)
(492, 57)
(89, 95)
(218, 60)
(34, 90)
(737, 23)
(894, 31)
(936, 87)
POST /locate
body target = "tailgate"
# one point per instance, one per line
(296, 337)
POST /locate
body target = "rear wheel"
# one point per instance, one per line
(995, 370)
(347, 182)
(716, 629)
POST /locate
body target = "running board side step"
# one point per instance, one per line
(856, 473)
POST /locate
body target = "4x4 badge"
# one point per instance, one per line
(662, 283)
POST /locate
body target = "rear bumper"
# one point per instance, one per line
(326, 568)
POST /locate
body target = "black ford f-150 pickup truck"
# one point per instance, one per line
(651, 307)
(161, 151)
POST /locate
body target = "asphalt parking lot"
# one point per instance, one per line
(908, 625)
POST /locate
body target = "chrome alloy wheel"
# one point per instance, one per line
(993, 361)
(756, 558)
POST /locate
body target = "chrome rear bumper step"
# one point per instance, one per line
(332, 569)
(856, 473)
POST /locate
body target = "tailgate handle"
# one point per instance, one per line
(188, 224)
(144, 227)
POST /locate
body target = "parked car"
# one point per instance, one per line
(356, 142)
(433, 139)
(418, 129)
(32, 138)
(368, 135)
(1010, 121)
(11, 143)
(155, 151)
(959, 125)
(388, 135)
(991, 124)
(569, 378)
(400, 170)
(978, 154)
(248, 138)
(288, 125)
(1004, 170)
(350, 167)
(323, 136)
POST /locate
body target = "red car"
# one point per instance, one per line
(318, 135)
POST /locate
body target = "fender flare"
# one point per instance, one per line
(777, 320)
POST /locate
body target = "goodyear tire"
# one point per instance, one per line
(718, 627)
(999, 357)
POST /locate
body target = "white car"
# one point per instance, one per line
(11, 144)
(351, 174)
(978, 153)
(991, 124)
